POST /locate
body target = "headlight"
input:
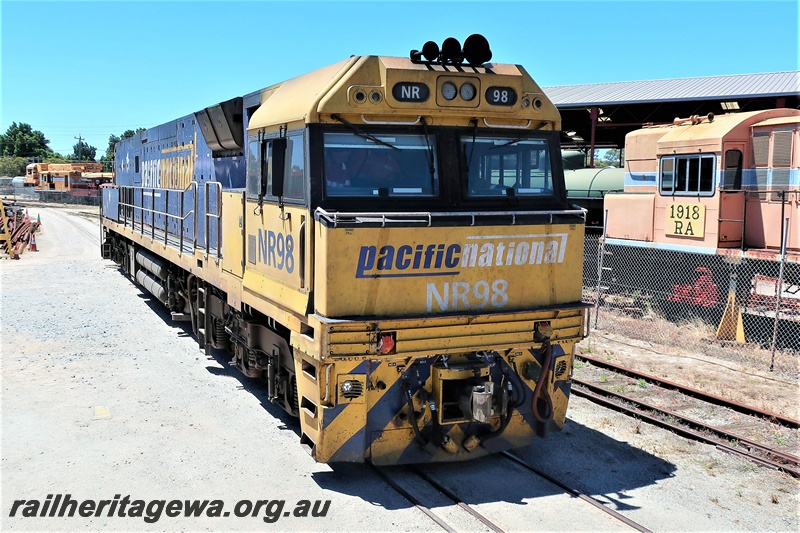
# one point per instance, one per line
(449, 90)
(468, 91)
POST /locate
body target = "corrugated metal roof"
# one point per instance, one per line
(705, 88)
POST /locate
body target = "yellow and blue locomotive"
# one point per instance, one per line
(385, 241)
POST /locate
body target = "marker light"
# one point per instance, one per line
(386, 344)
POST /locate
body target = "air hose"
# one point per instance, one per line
(511, 407)
(412, 415)
(539, 393)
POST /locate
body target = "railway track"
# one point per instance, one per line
(70, 217)
(424, 504)
(669, 418)
(694, 393)
(93, 236)
(575, 492)
(419, 501)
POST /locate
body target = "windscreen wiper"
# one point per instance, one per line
(430, 148)
(365, 135)
(472, 145)
(518, 139)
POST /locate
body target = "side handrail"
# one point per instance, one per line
(218, 215)
(427, 217)
(128, 201)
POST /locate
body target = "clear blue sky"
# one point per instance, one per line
(99, 68)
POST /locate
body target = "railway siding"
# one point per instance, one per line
(766, 437)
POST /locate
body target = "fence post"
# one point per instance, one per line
(600, 270)
(779, 291)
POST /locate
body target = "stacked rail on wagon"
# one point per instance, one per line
(65, 181)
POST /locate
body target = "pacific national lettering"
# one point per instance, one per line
(445, 259)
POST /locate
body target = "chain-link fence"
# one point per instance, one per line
(60, 197)
(697, 301)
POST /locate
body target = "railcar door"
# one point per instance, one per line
(732, 197)
(275, 223)
(233, 232)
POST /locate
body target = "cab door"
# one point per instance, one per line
(732, 196)
(233, 232)
(275, 223)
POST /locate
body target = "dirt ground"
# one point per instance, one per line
(102, 395)
(687, 354)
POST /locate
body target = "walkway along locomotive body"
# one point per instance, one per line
(386, 241)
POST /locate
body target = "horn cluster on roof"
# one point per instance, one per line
(476, 52)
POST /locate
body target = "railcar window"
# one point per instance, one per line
(688, 175)
(294, 184)
(667, 174)
(733, 170)
(400, 165)
(253, 167)
(294, 171)
(501, 166)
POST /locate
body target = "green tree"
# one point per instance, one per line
(108, 158)
(12, 166)
(82, 151)
(607, 158)
(55, 157)
(21, 140)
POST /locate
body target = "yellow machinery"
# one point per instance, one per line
(385, 241)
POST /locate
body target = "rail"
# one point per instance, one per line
(575, 492)
(426, 217)
(690, 428)
(129, 209)
(692, 393)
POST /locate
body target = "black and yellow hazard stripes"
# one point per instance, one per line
(407, 410)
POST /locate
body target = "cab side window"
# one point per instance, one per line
(733, 170)
(294, 180)
(258, 165)
(253, 167)
(688, 175)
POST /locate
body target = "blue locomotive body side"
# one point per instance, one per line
(172, 169)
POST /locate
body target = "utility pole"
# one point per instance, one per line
(80, 145)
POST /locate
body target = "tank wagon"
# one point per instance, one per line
(587, 187)
(726, 187)
(385, 241)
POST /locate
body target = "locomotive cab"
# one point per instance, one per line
(709, 184)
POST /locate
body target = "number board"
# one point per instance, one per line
(501, 96)
(407, 91)
(686, 220)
